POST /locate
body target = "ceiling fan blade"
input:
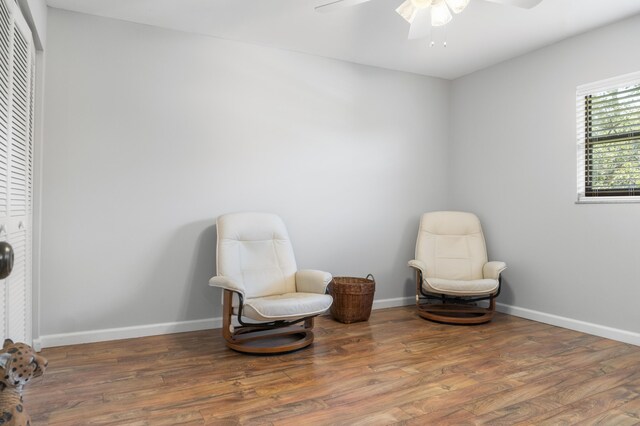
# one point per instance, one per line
(525, 4)
(338, 4)
(407, 10)
(421, 25)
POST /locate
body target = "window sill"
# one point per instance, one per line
(607, 200)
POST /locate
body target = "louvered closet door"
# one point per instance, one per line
(16, 160)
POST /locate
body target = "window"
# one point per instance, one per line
(609, 140)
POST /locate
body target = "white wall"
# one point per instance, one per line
(153, 133)
(513, 159)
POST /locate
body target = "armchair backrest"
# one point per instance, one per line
(254, 249)
(452, 246)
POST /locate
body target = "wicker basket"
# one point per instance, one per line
(352, 298)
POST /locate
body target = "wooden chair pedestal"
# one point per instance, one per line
(453, 313)
(264, 340)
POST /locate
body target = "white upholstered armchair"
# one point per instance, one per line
(268, 304)
(452, 271)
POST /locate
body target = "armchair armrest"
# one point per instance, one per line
(227, 284)
(420, 265)
(493, 269)
(312, 281)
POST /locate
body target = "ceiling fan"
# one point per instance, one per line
(418, 12)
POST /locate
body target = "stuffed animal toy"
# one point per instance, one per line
(19, 363)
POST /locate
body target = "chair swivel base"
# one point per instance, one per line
(272, 341)
(456, 313)
(262, 338)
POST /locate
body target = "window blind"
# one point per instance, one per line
(609, 139)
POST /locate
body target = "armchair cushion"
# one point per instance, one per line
(288, 306)
(493, 269)
(254, 251)
(487, 285)
(312, 281)
(460, 287)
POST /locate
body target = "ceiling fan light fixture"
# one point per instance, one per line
(421, 4)
(440, 14)
(416, 12)
(457, 6)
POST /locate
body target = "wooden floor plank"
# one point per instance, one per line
(586, 408)
(396, 368)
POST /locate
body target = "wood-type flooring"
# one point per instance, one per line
(397, 368)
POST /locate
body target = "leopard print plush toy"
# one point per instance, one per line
(19, 363)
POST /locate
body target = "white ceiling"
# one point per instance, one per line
(372, 33)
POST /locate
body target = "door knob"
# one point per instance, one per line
(6, 259)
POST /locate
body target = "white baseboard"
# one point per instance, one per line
(572, 324)
(91, 336)
(392, 303)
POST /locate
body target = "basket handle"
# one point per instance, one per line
(372, 279)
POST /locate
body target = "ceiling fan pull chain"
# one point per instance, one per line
(431, 40)
(438, 34)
